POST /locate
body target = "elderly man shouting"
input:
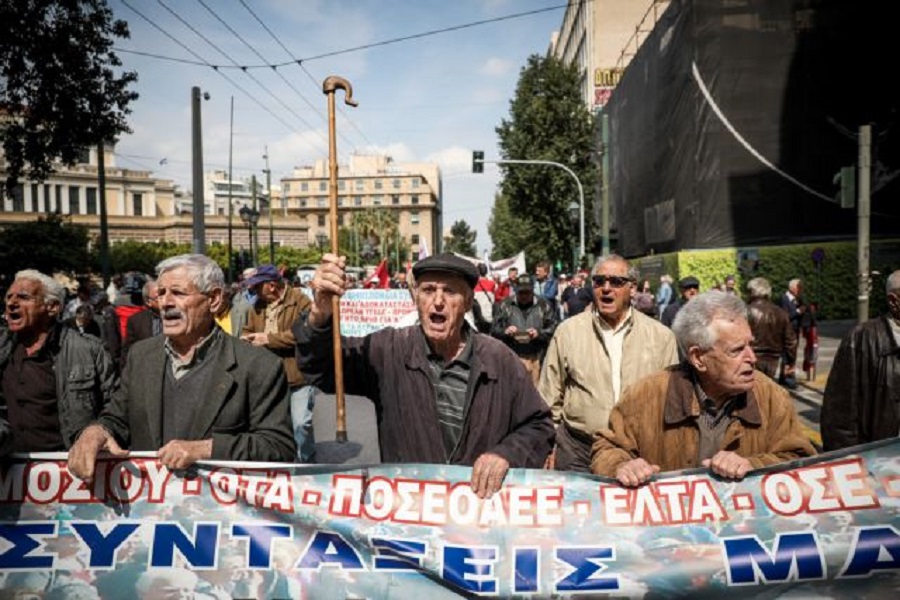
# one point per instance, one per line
(712, 410)
(444, 393)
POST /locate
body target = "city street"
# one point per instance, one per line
(361, 447)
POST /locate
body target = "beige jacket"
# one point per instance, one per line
(576, 380)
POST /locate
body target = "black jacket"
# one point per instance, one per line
(863, 389)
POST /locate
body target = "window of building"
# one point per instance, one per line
(48, 202)
(414, 238)
(304, 186)
(18, 198)
(74, 200)
(35, 198)
(323, 186)
(84, 156)
(396, 184)
(302, 202)
(342, 185)
(378, 184)
(137, 204)
(414, 198)
(340, 219)
(340, 201)
(414, 217)
(321, 220)
(321, 201)
(91, 197)
(377, 200)
(360, 185)
(395, 198)
(415, 182)
(357, 200)
(59, 198)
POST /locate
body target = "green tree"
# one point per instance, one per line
(549, 121)
(461, 239)
(510, 234)
(58, 84)
(51, 244)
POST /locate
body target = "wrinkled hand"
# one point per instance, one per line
(83, 453)
(532, 332)
(329, 281)
(488, 473)
(180, 454)
(635, 472)
(256, 339)
(510, 331)
(728, 465)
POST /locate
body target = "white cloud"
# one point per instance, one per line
(496, 67)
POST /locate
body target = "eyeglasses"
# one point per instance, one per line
(613, 280)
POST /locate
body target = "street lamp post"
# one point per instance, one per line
(573, 213)
(321, 240)
(268, 173)
(250, 217)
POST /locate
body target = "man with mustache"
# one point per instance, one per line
(193, 393)
(53, 380)
(712, 410)
(594, 356)
(444, 394)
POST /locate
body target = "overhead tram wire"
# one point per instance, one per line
(263, 58)
(305, 70)
(259, 83)
(202, 62)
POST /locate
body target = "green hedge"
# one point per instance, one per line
(833, 286)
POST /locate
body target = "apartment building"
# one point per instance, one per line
(410, 191)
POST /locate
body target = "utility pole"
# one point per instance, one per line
(271, 228)
(604, 202)
(254, 229)
(230, 204)
(104, 221)
(199, 242)
(863, 212)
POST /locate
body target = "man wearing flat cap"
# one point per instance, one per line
(690, 287)
(268, 326)
(444, 394)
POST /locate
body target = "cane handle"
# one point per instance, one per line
(334, 82)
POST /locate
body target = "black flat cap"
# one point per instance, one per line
(447, 263)
(689, 282)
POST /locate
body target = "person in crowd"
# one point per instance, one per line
(526, 323)
(644, 301)
(483, 307)
(730, 286)
(793, 305)
(664, 294)
(112, 290)
(84, 322)
(82, 298)
(108, 322)
(224, 316)
(443, 393)
(506, 288)
(711, 410)
(773, 337)
(563, 284)
(53, 380)
(146, 323)
(577, 296)
(130, 300)
(193, 393)
(242, 301)
(862, 396)
(594, 356)
(269, 326)
(545, 285)
(689, 287)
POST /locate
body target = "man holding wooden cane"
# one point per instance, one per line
(444, 394)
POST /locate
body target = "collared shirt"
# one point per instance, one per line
(180, 367)
(614, 339)
(450, 383)
(713, 421)
(29, 389)
(273, 312)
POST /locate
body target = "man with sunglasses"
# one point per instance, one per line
(594, 356)
(444, 394)
(194, 393)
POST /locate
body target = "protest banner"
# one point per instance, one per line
(824, 526)
(367, 311)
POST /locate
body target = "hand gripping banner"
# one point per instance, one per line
(824, 527)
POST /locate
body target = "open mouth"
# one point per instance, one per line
(437, 319)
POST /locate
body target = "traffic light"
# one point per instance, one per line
(477, 161)
(847, 180)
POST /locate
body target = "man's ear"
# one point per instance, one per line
(215, 300)
(695, 356)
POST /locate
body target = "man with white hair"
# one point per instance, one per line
(774, 339)
(862, 396)
(53, 380)
(711, 410)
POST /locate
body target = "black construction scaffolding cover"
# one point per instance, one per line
(729, 125)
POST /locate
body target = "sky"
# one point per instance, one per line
(432, 97)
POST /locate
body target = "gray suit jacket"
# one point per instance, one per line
(246, 410)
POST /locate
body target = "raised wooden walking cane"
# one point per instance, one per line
(329, 86)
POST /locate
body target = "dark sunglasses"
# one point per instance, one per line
(613, 280)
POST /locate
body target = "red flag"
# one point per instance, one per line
(380, 278)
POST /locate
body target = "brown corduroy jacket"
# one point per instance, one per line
(282, 343)
(656, 420)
